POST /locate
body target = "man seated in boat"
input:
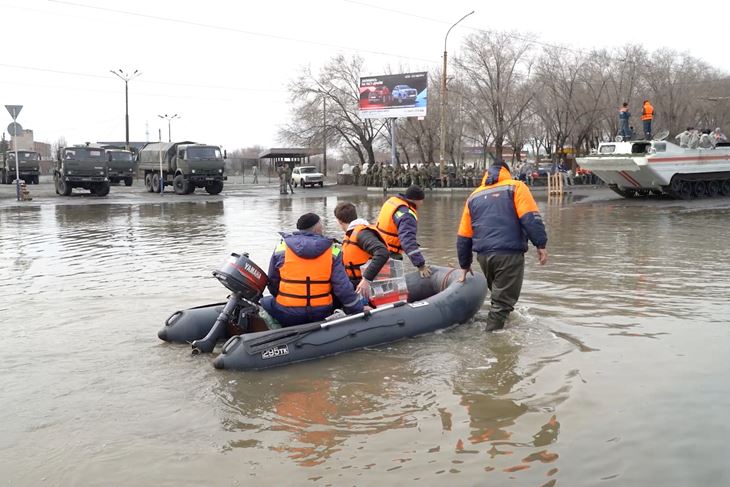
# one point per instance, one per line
(398, 224)
(362, 242)
(305, 271)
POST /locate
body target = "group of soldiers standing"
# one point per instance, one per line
(425, 175)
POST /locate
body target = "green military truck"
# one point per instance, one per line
(185, 166)
(81, 166)
(121, 165)
(29, 165)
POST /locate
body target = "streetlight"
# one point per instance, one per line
(169, 119)
(126, 77)
(443, 103)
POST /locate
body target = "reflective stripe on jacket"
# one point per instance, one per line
(305, 282)
(499, 217)
(353, 255)
(386, 224)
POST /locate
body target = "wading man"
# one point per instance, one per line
(498, 219)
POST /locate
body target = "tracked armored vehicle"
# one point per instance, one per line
(658, 167)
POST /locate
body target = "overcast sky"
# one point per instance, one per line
(223, 66)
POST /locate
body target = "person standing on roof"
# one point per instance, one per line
(647, 115)
(499, 218)
(304, 272)
(718, 136)
(623, 121)
(398, 224)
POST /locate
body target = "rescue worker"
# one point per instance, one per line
(647, 115)
(623, 121)
(718, 136)
(304, 272)
(498, 219)
(398, 224)
(362, 242)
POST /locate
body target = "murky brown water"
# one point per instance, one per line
(612, 372)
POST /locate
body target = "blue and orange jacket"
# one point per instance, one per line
(305, 272)
(398, 224)
(499, 217)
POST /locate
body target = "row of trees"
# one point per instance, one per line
(513, 91)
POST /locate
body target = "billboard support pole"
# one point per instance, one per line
(442, 131)
(393, 146)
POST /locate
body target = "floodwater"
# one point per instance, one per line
(611, 372)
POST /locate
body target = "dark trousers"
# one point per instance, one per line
(504, 279)
(647, 129)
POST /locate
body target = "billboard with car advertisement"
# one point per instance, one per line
(394, 95)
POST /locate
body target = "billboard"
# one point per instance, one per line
(394, 95)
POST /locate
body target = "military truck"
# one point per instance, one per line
(81, 166)
(121, 165)
(185, 165)
(28, 164)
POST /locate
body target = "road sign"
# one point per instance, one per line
(15, 129)
(14, 110)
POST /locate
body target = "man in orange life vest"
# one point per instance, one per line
(304, 273)
(398, 223)
(498, 219)
(362, 242)
(647, 115)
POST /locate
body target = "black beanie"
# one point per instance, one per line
(415, 193)
(307, 220)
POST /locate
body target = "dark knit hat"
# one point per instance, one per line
(415, 193)
(307, 220)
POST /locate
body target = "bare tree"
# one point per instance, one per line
(337, 86)
(497, 65)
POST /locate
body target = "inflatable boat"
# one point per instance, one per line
(434, 303)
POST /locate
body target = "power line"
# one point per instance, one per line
(167, 83)
(239, 31)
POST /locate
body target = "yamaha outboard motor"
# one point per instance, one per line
(247, 282)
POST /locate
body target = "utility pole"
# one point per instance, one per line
(169, 119)
(324, 136)
(126, 77)
(442, 136)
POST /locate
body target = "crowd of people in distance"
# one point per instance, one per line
(426, 175)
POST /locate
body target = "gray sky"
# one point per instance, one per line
(224, 65)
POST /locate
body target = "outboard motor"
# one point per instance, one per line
(247, 282)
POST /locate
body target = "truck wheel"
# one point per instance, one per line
(148, 182)
(191, 188)
(35, 179)
(321, 185)
(180, 185)
(63, 187)
(3, 175)
(128, 181)
(101, 189)
(155, 183)
(215, 187)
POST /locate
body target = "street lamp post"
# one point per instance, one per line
(126, 77)
(169, 119)
(442, 137)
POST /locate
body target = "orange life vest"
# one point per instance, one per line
(353, 256)
(387, 227)
(648, 112)
(305, 282)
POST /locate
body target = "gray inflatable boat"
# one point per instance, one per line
(434, 303)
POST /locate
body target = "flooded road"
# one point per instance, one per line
(611, 372)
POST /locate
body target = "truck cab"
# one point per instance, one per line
(121, 166)
(81, 166)
(184, 165)
(28, 166)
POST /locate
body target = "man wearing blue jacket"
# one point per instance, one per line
(499, 218)
(305, 271)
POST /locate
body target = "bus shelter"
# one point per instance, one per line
(292, 156)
